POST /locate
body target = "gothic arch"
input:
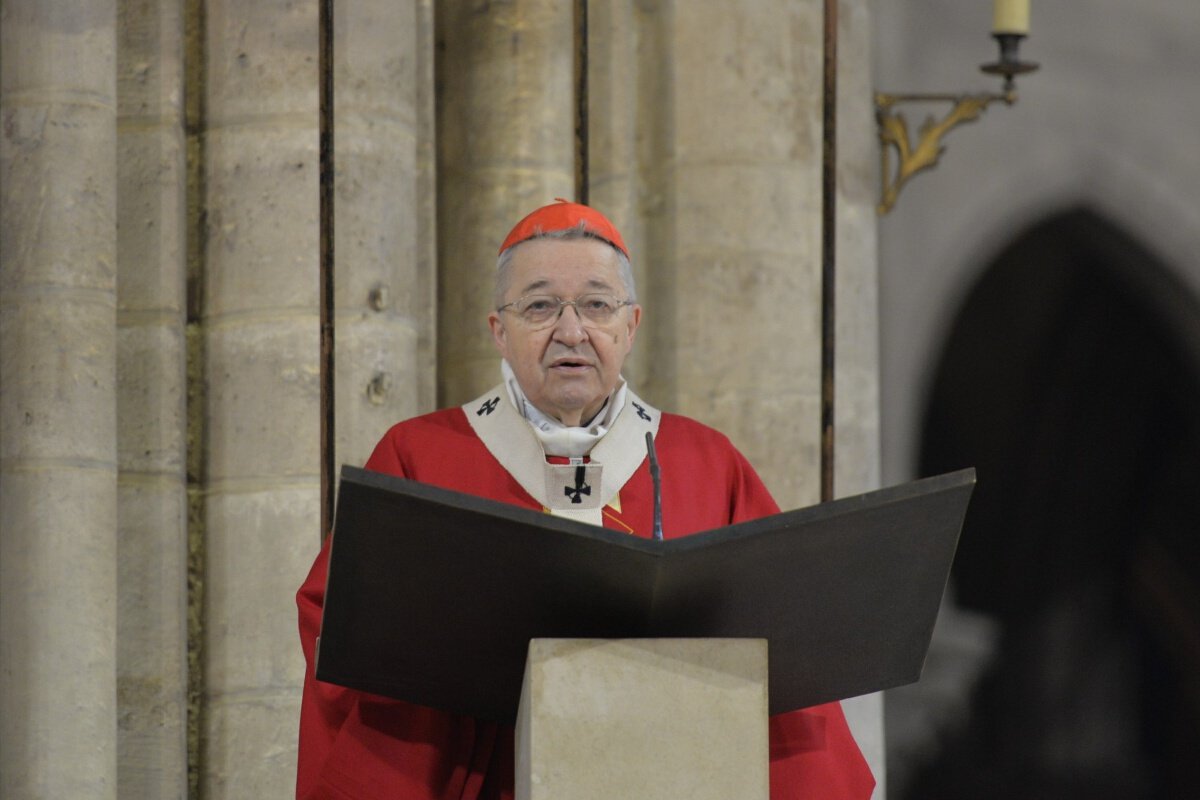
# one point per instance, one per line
(1070, 379)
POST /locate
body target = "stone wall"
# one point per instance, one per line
(58, 406)
(160, 337)
(1105, 124)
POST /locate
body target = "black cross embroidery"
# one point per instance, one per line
(580, 488)
(488, 406)
(642, 412)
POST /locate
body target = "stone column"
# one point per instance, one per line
(615, 130)
(384, 294)
(58, 454)
(857, 458)
(151, 448)
(736, 238)
(261, 342)
(720, 123)
(506, 121)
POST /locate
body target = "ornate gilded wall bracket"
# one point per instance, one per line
(924, 154)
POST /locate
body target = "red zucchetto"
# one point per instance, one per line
(562, 215)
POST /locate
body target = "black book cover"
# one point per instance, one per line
(432, 595)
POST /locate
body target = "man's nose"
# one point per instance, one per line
(568, 328)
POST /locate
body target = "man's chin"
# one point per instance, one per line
(579, 408)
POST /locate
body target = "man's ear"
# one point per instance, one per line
(635, 319)
(499, 334)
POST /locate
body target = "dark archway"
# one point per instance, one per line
(1071, 381)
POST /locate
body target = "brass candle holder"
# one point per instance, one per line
(928, 148)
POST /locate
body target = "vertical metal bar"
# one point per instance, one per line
(325, 102)
(582, 178)
(828, 247)
(195, 67)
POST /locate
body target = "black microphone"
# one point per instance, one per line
(654, 476)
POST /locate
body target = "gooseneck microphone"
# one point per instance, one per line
(656, 478)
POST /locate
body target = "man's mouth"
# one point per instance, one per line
(569, 365)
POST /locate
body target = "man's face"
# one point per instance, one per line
(569, 368)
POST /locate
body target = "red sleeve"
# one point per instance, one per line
(325, 707)
(813, 753)
(359, 746)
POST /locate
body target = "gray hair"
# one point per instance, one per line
(580, 231)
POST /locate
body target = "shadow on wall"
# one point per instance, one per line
(1071, 381)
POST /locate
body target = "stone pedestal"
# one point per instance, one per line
(644, 718)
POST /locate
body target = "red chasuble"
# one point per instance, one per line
(362, 746)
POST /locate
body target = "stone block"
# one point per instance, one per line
(644, 718)
(262, 61)
(748, 86)
(151, 638)
(150, 59)
(263, 244)
(150, 218)
(58, 629)
(250, 746)
(375, 52)
(61, 155)
(376, 226)
(57, 368)
(151, 428)
(263, 398)
(377, 368)
(261, 540)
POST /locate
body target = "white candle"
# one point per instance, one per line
(1011, 16)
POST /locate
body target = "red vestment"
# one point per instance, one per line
(362, 746)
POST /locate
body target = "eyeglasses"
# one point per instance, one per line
(543, 310)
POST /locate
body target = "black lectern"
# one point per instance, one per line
(433, 596)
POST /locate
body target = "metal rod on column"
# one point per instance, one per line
(828, 247)
(325, 102)
(581, 102)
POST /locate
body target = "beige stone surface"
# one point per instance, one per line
(255, 723)
(261, 348)
(150, 396)
(58, 623)
(58, 709)
(377, 381)
(263, 396)
(257, 557)
(151, 441)
(151, 636)
(262, 538)
(505, 146)
(383, 304)
(645, 718)
(262, 218)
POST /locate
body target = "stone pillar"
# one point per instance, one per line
(645, 718)
(506, 145)
(384, 291)
(720, 123)
(261, 342)
(151, 447)
(58, 453)
(737, 245)
(857, 405)
(615, 130)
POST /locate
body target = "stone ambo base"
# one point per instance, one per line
(643, 718)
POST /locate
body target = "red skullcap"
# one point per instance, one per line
(560, 216)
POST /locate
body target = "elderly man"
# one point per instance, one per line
(564, 434)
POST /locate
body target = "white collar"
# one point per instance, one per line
(556, 438)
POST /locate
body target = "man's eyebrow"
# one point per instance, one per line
(543, 283)
(538, 284)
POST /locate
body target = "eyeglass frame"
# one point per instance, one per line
(562, 304)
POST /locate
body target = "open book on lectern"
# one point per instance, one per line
(433, 596)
